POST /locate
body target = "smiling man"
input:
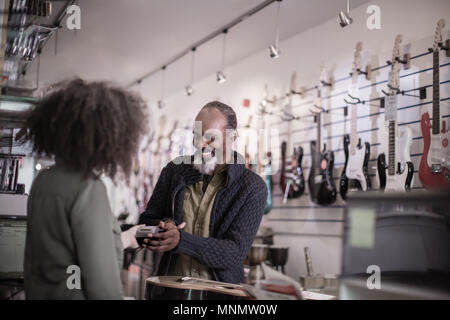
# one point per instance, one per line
(209, 204)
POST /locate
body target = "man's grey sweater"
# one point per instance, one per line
(235, 217)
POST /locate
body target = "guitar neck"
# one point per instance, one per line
(436, 98)
(392, 136)
(353, 130)
(319, 133)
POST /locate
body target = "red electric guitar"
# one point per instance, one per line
(434, 167)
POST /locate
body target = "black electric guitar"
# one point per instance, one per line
(320, 181)
(294, 178)
(293, 186)
(355, 175)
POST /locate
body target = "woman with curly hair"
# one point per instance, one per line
(91, 129)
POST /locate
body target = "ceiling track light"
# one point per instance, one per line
(221, 78)
(344, 17)
(274, 51)
(261, 6)
(189, 90)
(161, 103)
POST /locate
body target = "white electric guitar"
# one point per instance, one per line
(355, 174)
(397, 174)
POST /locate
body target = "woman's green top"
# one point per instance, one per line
(73, 248)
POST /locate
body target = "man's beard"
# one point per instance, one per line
(208, 162)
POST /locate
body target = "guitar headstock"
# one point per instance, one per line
(438, 34)
(317, 104)
(394, 82)
(265, 92)
(265, 97)
(249, 122)
(174, 128)
(396, 49)
(283, 148)
(150, 139)
(162, 126)
(356, 62)
(293, 83)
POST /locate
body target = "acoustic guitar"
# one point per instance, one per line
(187, 288)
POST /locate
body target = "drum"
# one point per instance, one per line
(187, 288)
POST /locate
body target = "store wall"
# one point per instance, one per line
(299, 223)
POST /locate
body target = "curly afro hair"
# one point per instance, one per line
(91, 127)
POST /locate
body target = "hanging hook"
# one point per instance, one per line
(397, 90)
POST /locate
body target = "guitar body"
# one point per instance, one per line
(402, 180)
(320, 181)
(355, 174)
(297, 186)
(283, 166)
(429, 179)
(170, 288)
(268, 180)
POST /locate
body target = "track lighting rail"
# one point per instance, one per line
(212, 35)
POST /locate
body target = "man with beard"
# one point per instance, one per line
(210, 206)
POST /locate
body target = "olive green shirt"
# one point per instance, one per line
(197, 207)
(70, 223)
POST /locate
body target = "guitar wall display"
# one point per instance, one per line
(355, 174)
(395, 169)
(397, 174)
(320, 181)
(434, 169)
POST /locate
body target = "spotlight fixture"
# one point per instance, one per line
(221, 78)
(161, 100)
(344, 17)
(189, 90)
(274, 51)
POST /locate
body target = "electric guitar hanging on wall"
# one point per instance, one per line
(248, 160)
(397, 174)
(320, 181)
(294, 184)
(355, 175)
(294, 179)
(434, 169)
(268, 180)
(265, 158)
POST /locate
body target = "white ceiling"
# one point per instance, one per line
(121, 40)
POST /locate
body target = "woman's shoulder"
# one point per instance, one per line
(64, 182)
